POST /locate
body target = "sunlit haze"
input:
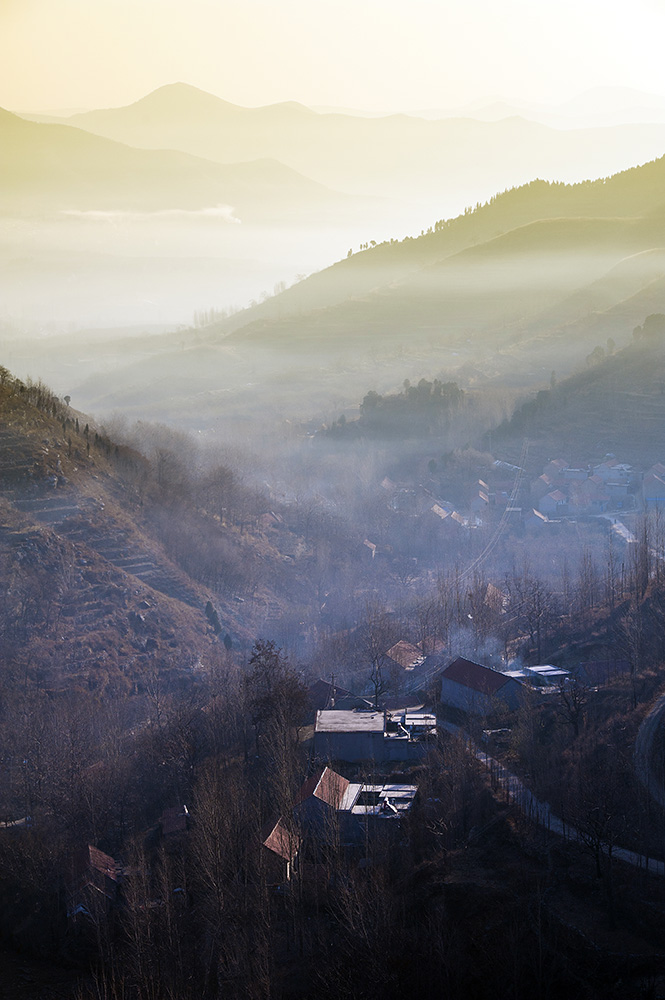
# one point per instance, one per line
(384, 55)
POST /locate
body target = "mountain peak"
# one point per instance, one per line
(184, 100)
(181, 95)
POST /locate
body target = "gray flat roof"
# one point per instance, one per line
(331, 721)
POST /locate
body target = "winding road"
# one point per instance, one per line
(541, 812)
(646, 735)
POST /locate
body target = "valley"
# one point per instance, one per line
(332, 556)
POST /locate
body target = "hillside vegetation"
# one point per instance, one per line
(505, 294)
(111, 569)
(616, 405)
(633, 193)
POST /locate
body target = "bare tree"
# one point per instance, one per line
(572, 703)
(378, 635)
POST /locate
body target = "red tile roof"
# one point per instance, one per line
(474, 676)
(90, 866)
(281, 841)
(103, 863)
(404, 653)
(326, 785)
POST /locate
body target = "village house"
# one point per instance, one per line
(612, 471)
(534, 520)
(555, 468)
(477, 689)
(554, 504)
(362, 735)
(326, 694)
(330, 809)
(541, 486)
(440, 511)
(349, 735)
(321, 797)
(459, 520)
(591, 495)
(495, 599)
(281, 848)
(500, 496)
(92, 883)
(405, 655)
(574, 475)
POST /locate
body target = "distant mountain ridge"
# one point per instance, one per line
(57, 167)
(392, 155)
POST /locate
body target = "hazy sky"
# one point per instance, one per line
(373, 54)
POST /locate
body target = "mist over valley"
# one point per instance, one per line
(332, 475)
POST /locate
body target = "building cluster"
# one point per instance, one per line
(610, 486)
(419, 501)
(561, 490)
(480, 690)
(332, 812)
(94, 880)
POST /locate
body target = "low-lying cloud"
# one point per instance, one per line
(213, 212)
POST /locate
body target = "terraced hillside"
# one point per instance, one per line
(87, 583)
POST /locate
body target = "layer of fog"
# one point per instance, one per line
(328, 498)
(123, 269)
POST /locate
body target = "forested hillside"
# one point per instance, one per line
(633, 193)
(616, 405)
